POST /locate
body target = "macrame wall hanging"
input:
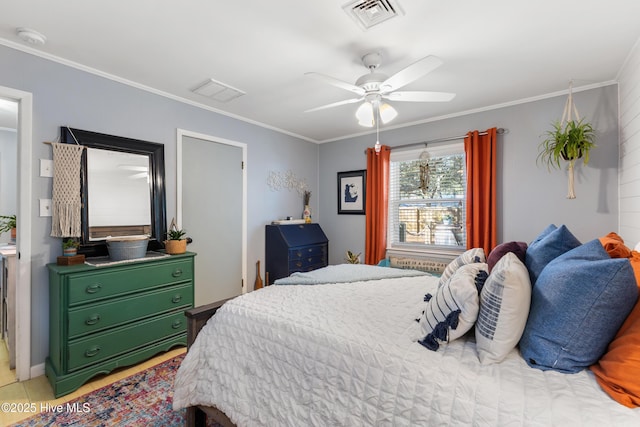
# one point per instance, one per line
(424, 172)
(66, 217)
(570, 110)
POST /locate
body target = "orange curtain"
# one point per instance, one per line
(480, 151)
(376, 204)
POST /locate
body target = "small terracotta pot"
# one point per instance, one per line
(175, 247)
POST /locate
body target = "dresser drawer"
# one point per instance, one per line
(98, 347)
(307, 264)
(95, 317)
(90, 287)
(307, 252)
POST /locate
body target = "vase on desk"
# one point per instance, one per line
(306, 214)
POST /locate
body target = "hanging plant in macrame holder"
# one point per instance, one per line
(570, 139)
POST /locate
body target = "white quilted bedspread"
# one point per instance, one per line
(343, 355)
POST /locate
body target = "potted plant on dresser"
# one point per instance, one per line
(176, 243)
(8, 223)
(70, 246)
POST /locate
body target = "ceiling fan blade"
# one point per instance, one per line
(420, 96)
(338, 83)
(411, 73)
(335, 104)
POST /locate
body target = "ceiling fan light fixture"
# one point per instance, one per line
(387, 113)
(364, 114)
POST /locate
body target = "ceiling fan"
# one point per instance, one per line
(375, 87)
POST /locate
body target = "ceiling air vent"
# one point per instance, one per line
(218, 91)
(368, 13)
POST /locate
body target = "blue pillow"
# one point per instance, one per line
(578, 304)
(551, 243)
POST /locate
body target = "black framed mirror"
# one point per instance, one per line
(123, 189)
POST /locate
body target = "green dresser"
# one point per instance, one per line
(102, 318)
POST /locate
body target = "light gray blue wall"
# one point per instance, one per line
(67, 96)
(8, 174)
(529, 197)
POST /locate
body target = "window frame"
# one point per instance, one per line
(408, 249)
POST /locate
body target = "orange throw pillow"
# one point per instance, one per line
(619, 369)
(614, 245)
(635, 264)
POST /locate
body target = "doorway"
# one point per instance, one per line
(24, 102)
(211, 207)
(8, 206)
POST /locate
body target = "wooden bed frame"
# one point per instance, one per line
(196, 319)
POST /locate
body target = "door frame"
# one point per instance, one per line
(23, 244)
(181, 133)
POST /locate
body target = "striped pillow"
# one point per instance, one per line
(469, 257)
(504, 307)
(452, 311)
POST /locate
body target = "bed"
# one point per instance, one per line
(354, 353)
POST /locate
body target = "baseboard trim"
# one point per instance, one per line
(37, 370)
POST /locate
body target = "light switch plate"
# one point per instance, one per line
(45, 207)
(46, 168)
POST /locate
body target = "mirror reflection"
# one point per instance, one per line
(122, 186)
(119, 194)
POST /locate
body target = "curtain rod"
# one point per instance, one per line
(499, 131)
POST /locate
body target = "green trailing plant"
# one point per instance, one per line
(567, 141)
(7, 223)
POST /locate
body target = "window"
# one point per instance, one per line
(427, 198)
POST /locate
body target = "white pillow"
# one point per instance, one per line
(469, 257)
(504, 308)
(453, 310)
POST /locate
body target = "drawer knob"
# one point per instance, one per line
(90, 352)
(95, 318)
(176, 299)
(177, 273)
(176, 324)
(92, 289)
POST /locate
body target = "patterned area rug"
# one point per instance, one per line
(143, 399)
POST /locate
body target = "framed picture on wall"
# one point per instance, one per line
(352, 192)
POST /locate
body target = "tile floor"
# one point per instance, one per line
(7, 376)
(38, 390)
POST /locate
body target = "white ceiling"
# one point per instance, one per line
(494, 51)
